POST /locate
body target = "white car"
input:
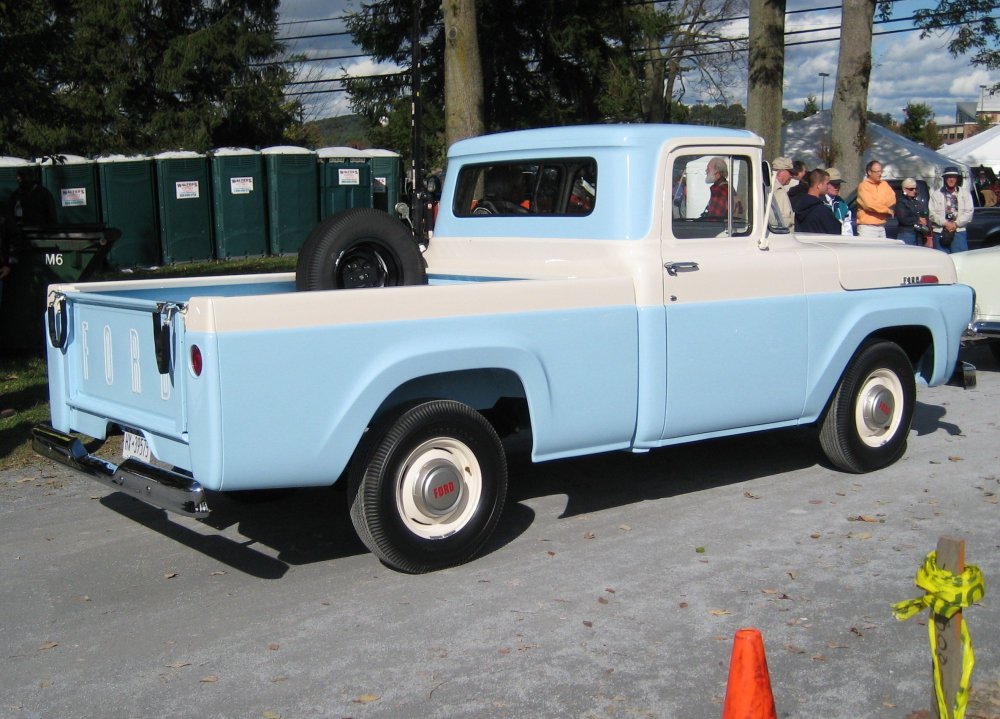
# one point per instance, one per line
(980, 269)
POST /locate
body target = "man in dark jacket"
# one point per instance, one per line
(31, 203)
(811, 213)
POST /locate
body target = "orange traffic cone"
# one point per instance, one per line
(748, 693)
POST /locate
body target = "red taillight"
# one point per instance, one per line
(196, 362)
(928, 279)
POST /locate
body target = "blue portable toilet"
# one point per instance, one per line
(128, 203)
(72, 180)
(292, 178)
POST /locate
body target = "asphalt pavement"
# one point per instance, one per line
(613, 589)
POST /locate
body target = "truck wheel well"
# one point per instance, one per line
(916, 341)
(498, 394)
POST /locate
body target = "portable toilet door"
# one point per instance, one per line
(238, 203)
(128, 203)
(387, 179)
(185, 205)
(292, 179)
(345, 180)
(72, 180)
(8, 177)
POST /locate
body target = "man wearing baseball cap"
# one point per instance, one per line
(950, 210)
(838, 206)
(782, 167)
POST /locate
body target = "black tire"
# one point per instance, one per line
(356, 248)
(428, 486)
(995, 349)
(868, 420)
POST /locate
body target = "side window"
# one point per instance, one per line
(544, 187)
(710, 196)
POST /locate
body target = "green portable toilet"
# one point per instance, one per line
(292, 196)
(8, 177)
(72, 180)
(185, 206)
(239, 204)
(387, 179)
(345, 180)
(128, 203)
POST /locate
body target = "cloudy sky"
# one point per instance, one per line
(905, 68)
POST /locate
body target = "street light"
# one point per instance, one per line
(822, 96)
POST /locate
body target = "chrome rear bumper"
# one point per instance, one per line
(159, 487)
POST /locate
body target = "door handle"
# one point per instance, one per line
(673, 268)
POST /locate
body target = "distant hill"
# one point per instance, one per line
(342, 131)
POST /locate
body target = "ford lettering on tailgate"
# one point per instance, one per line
(117, 364)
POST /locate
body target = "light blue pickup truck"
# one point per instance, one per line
(620, 287)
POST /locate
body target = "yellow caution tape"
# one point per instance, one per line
(947, 593)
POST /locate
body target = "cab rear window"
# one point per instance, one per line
(564, 187)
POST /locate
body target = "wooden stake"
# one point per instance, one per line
(950, 558)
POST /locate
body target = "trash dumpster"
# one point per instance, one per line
(238, 203)
(343, 184)
(128, 202)
(46, 255)
(185, 204)
(292, 196)
(387, 178)
(72, 180)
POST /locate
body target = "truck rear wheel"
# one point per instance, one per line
(868, 420)
(360, 247)
(429, 487)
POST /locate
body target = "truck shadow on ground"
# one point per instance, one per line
(314, 525)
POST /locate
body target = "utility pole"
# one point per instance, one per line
(417, 194)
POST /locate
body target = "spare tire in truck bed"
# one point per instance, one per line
(361, 247)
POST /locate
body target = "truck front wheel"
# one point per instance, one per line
(428, 486)
(869, 417)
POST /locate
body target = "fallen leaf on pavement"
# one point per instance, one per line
(170, 575)
(589, 535)
(588, 624)
(274, 647)
(748, 495)
(794, 649)
(862, 518)
(366, 699)
(48, 645)
(209, 679)
(271, 715)
(719, 612)
(859, 535)
(953, 458)
(602, 600)
(178, 664)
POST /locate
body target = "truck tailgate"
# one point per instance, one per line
(107, 370)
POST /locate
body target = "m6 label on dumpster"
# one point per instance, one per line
(54, 259)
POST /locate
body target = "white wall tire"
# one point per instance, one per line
(869, 416)
(428, 486)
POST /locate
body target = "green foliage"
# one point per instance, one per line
(918, 114)
(971, 26)
(105, 76)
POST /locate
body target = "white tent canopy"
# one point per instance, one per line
(980, 149)
(900, 157)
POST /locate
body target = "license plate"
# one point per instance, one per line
(135, 446)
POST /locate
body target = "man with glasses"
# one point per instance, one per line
(876, 202)
(911, 211)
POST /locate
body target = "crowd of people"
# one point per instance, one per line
(811, 202)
